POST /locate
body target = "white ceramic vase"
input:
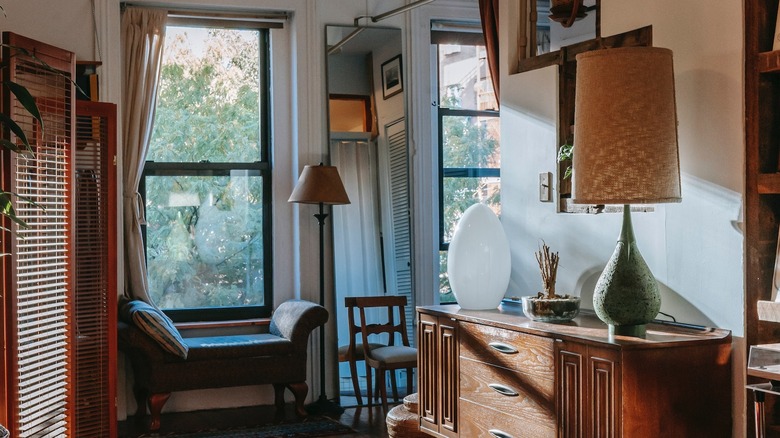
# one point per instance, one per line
(478, 260)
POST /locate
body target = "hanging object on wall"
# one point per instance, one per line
(478, 260)
(567, 12)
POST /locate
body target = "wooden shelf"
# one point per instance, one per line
(768, 183)
(769, 62)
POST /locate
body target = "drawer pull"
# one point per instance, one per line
(503, 348)
(503, 390)
(495, 433)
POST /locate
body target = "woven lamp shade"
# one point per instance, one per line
(625, 128)
(319, 184)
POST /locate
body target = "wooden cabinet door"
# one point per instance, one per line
(426, 370)
(588, 385)
(570, 363)
(448, 377)
(437, 365)
(603, 393)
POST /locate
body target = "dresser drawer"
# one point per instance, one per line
(478, 421)
(518, 351)
(529, 398)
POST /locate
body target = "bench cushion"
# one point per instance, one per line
(237, 346)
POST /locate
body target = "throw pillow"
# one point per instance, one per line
(157, 325)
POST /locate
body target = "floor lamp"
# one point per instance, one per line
(321, 185)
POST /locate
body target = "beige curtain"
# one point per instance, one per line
(143, 35)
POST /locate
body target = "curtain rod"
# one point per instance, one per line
(224, 14)
(396, 11)
(374, 19)
(392, 12)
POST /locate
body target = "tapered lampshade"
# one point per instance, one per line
(625, 152)
(625, 128)
(319, 184)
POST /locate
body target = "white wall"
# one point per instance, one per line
(693, 248)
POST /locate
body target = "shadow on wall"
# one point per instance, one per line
(672, 303)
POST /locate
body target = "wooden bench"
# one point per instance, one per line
(277, 357)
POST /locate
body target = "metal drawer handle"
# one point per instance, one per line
(499, 433)
(503, 390)
(502, 347)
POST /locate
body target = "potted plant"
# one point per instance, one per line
(547, 305)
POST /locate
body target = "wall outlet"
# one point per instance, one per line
(545, 187)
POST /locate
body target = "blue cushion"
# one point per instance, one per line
(157, 325)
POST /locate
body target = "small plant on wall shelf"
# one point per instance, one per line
(566, 153)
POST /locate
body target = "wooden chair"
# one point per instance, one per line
(353, 351)
(392, 356)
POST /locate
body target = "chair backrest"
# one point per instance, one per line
(394, 305)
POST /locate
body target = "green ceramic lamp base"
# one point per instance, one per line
(626, 295)
(637, 331)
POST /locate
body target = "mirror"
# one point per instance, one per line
(367, 141)
(550, 25)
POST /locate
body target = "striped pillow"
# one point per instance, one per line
(157, 325)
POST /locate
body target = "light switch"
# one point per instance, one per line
(545, 187)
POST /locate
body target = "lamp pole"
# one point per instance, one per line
(321, 185)
(323, 405)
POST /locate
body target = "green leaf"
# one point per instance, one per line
(566, 152)
(11, 146)
(7, 209)
(26, 99)
(16, 129)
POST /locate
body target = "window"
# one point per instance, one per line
(468, 135)
(207, 178)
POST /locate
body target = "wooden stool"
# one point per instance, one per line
(403, 420)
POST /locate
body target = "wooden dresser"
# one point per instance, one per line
(498, 374)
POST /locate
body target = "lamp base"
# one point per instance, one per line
(637, 331)
(626, 295)
(323, 406)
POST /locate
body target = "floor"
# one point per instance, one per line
(368, 422)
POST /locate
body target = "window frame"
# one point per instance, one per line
(263, 167)
(458, 172)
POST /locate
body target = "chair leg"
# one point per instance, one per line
(409, 381)
(369, 391)
(383, 389)
(156, 403)
(394, 385)
(355, 384)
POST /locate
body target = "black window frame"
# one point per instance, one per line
(458, 172)
(263, 168)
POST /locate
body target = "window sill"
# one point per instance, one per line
(223, 324)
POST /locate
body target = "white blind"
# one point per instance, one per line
(39, 299)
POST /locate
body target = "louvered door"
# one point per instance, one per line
(401, 244)
(37, 275)
(95, 280)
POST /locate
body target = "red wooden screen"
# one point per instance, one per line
(37, 275)
(96, 261)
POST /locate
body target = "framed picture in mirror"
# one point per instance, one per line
(392, 82)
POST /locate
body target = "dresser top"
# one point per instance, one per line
(585, 327)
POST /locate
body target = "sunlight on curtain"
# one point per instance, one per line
(356, 227)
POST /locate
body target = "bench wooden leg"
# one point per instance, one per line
(140, 401)
(279, 396)
(299, 390)
(156, 403)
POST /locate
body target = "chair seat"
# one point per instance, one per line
(358, 353)
(394, 354)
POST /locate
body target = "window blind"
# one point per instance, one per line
(37, 274)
